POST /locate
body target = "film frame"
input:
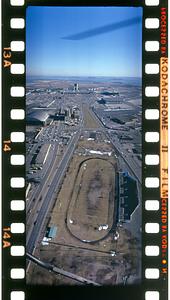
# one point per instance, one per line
(13, 175)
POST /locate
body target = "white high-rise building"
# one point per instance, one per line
(76, 87)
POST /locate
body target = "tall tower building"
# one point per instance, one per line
(76, 87)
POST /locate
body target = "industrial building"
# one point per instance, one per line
(43, 154)
(92, 135)
(28, 187)
(127, 196)
(109, 93)
(37, 117)
(40, 158)
(59, 117)
(76, 87)
(51, 232)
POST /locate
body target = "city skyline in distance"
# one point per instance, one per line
(116, 53)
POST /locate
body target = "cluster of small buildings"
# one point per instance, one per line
(40, 117)
(50, 234)
(70, 113)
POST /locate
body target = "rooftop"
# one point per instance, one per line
(38, 115)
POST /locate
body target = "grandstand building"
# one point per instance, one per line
(128, 199)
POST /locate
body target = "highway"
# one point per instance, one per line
(57, 271)
(128, 160)
(136, 171)
(43, 184)
(37, 193)
(117, 146)
(50, 197)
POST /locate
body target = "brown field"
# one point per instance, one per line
(90, 261)
(92, 200)
(89, 121)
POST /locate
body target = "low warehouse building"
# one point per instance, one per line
(43, 154)
(28, 189)
(52, 232)
(37, 118)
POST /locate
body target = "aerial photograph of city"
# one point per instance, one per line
(83, 145)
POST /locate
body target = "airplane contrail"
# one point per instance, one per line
(102, 29)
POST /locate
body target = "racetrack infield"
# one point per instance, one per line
(92, 200)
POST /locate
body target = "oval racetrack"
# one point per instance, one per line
(91, 210)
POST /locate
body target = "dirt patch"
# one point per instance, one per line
(94, 262)
(89, 120)
(92, 201)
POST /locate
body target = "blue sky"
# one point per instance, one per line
(115, 53)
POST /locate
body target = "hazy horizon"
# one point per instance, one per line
(136, 81)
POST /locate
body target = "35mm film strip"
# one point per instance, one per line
(105, 130)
